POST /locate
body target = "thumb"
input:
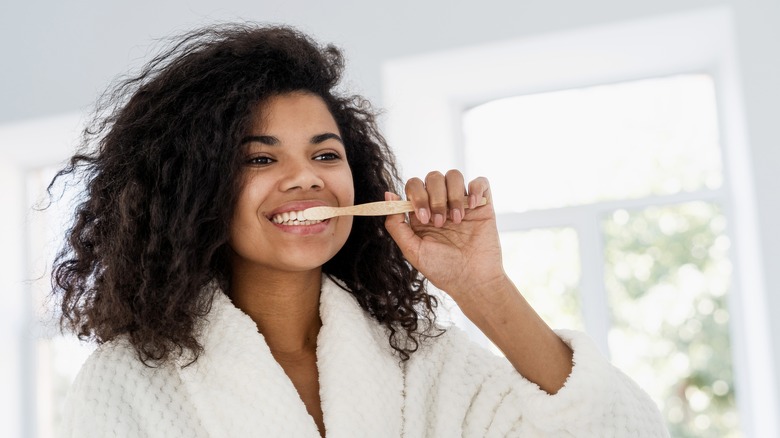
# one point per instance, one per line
(400, 230)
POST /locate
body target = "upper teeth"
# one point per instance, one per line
(293, 218)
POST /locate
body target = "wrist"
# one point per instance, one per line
(479, 299)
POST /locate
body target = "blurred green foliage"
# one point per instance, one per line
(667, 276)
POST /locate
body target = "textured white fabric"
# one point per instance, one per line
(449, 388)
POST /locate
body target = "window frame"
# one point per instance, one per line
(425, 96)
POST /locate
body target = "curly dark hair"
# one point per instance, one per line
(162, 165)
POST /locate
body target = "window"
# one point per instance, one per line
(631, 140)
(576, 156)
(656, 222)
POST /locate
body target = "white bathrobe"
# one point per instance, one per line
(449, 388)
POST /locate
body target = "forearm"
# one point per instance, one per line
(505, 317)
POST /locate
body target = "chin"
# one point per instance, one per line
(303, 262)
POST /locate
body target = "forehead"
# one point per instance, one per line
(293, 111)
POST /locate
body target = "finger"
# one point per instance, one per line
(456, 189)
(400, 230)
(415, 192)
(479, 188)
(390, 196)
(436, 186)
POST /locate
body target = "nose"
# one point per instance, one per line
(301, 175)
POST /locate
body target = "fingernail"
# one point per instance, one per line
(423, 215)
(438, 220)
(456, 216)
(472, 201)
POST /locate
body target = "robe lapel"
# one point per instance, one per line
(361, 381)
(237, 386)
(240, 390)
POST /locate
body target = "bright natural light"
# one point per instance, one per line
(621, 141)
(545, 267)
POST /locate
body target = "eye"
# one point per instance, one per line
(328, 156)
(260, 160)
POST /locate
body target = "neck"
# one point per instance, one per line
(284, 305)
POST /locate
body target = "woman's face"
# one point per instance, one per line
(294, 158)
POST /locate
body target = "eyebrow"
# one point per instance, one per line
(273, 141)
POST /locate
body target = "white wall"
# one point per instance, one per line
(57, 57)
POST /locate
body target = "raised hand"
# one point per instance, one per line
(459, 252)
(457, 249)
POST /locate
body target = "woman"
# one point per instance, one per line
(221, 314)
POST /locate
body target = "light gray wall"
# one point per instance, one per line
(55, 58)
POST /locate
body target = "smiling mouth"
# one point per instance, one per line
(292, 218)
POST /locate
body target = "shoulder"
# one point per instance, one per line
(115, 370)
(114, 374)
(116, 391)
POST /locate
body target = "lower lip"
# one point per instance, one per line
(303, 229)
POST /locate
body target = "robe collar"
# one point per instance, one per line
(238, 388)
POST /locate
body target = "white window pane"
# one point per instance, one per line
(544, 264)
(620, 141)
(667, 278)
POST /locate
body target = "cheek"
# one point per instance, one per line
(245, 210)
(347, 188)
(346, 226)
(241, 212)
(351, 196)
(345, 194)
